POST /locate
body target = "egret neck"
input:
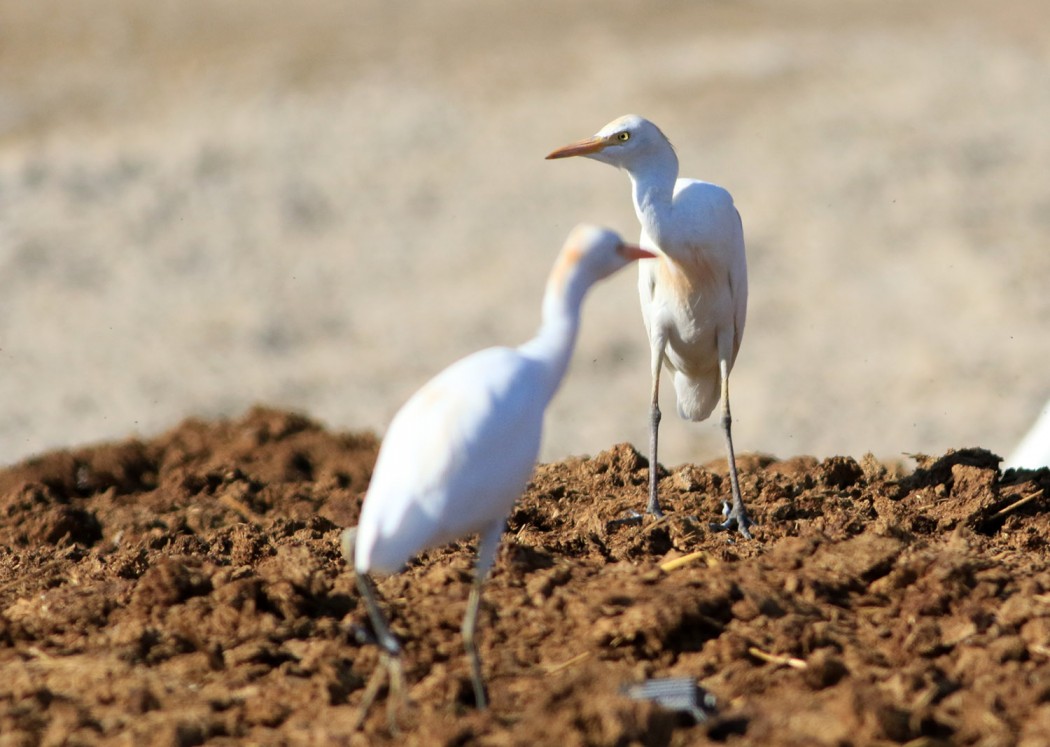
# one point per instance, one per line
(652, 185)
(553, 344)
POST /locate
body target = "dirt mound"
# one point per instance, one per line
(189, 590)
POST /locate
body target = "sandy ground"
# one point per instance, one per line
(204, 206)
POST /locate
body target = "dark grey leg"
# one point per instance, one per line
(653, 507)
(390, 656)
(737, 514)
(488, 544)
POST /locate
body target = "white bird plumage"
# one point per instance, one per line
(460, 451)
(445, 450)
(1033, 451)
(694, 294)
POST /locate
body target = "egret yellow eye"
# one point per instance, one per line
(624, 137)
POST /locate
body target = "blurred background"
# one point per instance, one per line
(318, 205)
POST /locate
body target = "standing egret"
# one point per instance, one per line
(694, 294)
(459, 452)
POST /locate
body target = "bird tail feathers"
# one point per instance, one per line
(696, 397)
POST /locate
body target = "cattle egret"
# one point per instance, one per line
(694, 294)
(458, 454)
(1033, 451)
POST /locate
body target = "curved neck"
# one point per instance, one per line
(554, 342)
(653, 191)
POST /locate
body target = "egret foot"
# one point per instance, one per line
(736, 518)
(389, 664)
(653, 508)
(631, 519)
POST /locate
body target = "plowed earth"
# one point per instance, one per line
(189, 590)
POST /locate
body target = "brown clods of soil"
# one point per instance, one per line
(189, 590)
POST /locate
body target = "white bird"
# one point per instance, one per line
(694, 294)
(460, 451)
(1033, 451)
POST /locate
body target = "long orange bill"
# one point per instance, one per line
(579, 148)
(630, 251)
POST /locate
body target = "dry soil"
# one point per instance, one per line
(189, 590)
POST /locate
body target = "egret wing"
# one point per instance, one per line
(454, 459)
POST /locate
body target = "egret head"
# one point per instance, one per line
(626, 142)
(596, 252)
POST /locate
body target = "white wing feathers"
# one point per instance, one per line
(462, 448)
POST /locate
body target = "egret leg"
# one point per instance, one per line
(391, 666)
(736, 516)
(488, 544)
(470, 622)
(384, 637)
(390, 657)
(653, 506)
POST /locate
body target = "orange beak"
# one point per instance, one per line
(580, 148)
(630, 251)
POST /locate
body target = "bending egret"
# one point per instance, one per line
(458, 454)
(694, 294)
